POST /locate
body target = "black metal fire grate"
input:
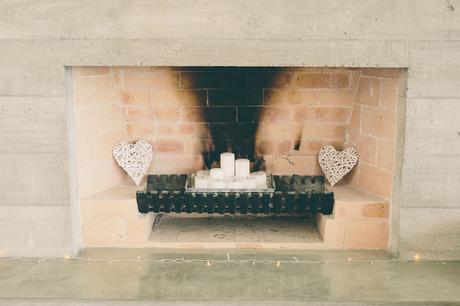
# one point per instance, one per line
(293, 194)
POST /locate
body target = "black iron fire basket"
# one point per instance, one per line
(292, 195)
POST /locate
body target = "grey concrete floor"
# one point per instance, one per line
(139, 276)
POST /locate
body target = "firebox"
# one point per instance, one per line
(277, 117)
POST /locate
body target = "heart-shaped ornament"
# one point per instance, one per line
(134, 158)
(335, 164)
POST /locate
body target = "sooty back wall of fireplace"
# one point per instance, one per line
(256, 112)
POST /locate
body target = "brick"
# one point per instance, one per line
(119, 176)
(313, 80)
(353, 209)
(209, 114)
(376, 210)
(104, 144)
(85, 149)
(312, 147)
(94, 178)
(355, 121)
(197, 146)
(340, 80)
(368, 91)
(136, 114)
(138, 79)
(332, 114)
(89, 71)
(382, 72)
(264, 114)
(385, 154)
(93, 90)
(182, 97)
(164, 78)
(194, 130)
(354, 81)
(283, 147)
(168, 146)
(378, 122)
(324, 131)
(138, 131)
(375, 180)
(103, 233)
(266, 147)
(234, 130)
(331, 230)
(275, 97)
(289, 165)
(235, 78)
(99, 119)
(323, 80)
(303, 114)
(281, 131)
(371, 234)
(139, 230)
(336, 97)
(235, 97)
(366, 146)
(389, 93)
(135, 97)
(168, 164)
(165, 114)
(165, 130)
(95, 209)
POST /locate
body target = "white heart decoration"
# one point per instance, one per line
(336, 165)
(134, 158)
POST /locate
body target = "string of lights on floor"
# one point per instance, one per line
(210, 262)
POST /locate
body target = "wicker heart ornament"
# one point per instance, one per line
(335, 164)
(134, 158)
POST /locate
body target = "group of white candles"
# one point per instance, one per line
(232, 174)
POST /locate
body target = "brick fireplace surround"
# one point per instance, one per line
(39, 202)
(282, 116)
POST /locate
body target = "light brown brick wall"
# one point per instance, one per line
(284, 115)
(372, 129)
(99, 124)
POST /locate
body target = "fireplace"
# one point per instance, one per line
(278, 117)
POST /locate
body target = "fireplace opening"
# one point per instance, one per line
(277, 117)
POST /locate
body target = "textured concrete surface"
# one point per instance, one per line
(38, 39)
(220, 277)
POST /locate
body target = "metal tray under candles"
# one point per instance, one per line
(190, 183)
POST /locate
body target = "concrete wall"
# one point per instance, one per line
(39, 38)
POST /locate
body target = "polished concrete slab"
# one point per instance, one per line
(236, 277)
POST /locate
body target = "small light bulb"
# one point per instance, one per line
(349, 258)
(208, 263)
(417, 257)
(67, 257)
(278, 264)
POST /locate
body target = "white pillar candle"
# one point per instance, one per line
(227, 163)
(234, 184)
(203, 173)
(249, 183)
(216, 173)
(202, 182)
(217, 184)
(261, 178)
(242, 167)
